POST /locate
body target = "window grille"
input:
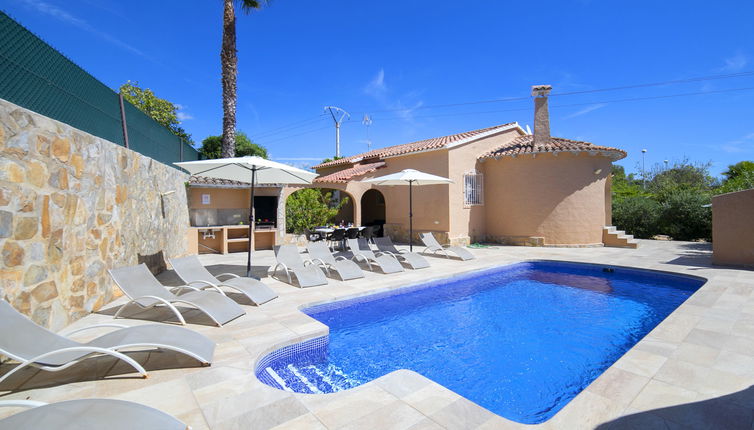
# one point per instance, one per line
(473, 189)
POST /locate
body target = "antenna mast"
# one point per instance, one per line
(337, 116)
(367, 121)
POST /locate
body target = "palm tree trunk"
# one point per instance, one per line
(229, 64)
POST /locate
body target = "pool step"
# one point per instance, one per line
(310, 379)
(611, 236)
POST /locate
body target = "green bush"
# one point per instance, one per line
(309, 208)
(637, 215)
(684, 216)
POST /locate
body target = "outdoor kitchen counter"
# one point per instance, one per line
(223, 239)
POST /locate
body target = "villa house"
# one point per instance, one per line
(509, 186)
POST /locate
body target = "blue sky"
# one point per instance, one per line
(398, 60)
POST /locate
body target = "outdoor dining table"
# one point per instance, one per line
(324, 231)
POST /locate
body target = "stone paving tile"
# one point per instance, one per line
(692, 371)
(395, 416)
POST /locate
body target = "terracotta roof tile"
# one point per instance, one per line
(345, 175)
(525, 145)
(406, 148)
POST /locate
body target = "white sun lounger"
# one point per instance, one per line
(193, 273)
(320, 254)
(414, 260)
(434, 246)
(32, 345)
(87, 414)
(361, 251)
(145, 291)
(307, 275)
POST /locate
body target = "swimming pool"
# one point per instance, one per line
(520, 340)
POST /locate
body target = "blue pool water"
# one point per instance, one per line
(520, 340)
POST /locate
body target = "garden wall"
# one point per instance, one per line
(732, 228)
(72, 206)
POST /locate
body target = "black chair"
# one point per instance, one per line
(352, 233)
(369, 232)
(312, 236)
(337, 236)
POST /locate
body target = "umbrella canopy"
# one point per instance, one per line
(409, 177)
(240, 169)
(249, 169)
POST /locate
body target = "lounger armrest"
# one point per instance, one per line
(204, 285)
(378, 253)
(21, 403)
(404, 251)
(111, 325)
(341, 257)
(229, 275)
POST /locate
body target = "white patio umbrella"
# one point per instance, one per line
(249, 169)
(409, 177)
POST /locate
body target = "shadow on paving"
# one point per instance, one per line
(171, 279)
(695, 254)
(160, 314)
(732, 412)
(92, 369)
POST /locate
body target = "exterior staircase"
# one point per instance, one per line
(611, 236)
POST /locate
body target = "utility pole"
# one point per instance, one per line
(337, 116)
(367, 121)
(643, 171)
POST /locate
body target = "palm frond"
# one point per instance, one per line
(252, 5)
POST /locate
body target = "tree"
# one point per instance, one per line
(229, 67)
(739, 176)
(160, 110)
(212, 147)
(310, 207)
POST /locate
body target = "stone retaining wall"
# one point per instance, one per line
(72, 206)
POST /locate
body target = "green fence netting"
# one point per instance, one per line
(37, 77)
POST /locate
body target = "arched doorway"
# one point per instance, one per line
(373, 209)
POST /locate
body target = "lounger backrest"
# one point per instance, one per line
(385, 244)
(360, 246)
(138, 281)
(321, 251)
(191, 269)
(429, 240)
(22, 339)
(288, 255)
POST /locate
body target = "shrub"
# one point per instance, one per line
(684, 216)
(637, 215)
(309, 208)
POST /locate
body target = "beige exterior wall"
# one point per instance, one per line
(558, 198)
(732, 228)
(468, 223)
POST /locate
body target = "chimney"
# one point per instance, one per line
(541, 113)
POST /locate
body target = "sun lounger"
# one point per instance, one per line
(145, 291)
(23, 340)
(87, 414)
(362, 252)
(320, 254)
(193, 273)
(290, 261)
(434, 246)
(414, 260)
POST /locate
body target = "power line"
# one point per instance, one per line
(644, 85)
(289, 126)
(631, 99)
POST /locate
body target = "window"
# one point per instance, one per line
(473, 189)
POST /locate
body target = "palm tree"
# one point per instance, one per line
(229, 65)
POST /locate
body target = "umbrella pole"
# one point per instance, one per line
(251, 223)
(410, 217)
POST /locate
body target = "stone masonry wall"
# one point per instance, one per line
(73, 206)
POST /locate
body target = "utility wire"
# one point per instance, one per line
(509, 99)
(632, 99)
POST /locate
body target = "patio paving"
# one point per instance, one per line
(694, 370)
